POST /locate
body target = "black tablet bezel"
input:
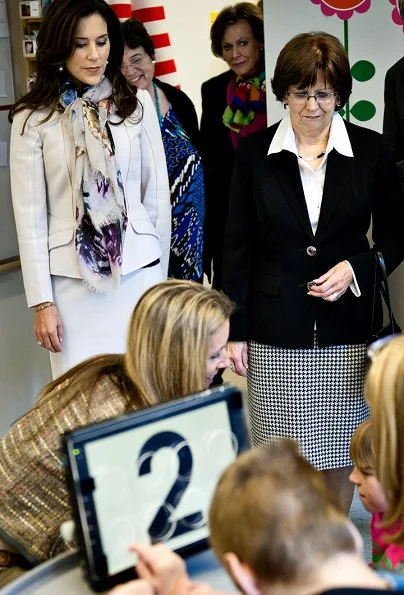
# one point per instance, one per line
(88, 532)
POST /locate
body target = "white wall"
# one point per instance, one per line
(188, 23)
(24, 366)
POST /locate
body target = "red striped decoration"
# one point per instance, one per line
(154, 13)
(161, 40)
(164, 67)
(122, 11)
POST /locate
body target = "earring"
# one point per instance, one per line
(285, 105)
(61, 68)
(106, 62)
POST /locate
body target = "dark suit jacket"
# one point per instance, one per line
(185, 110)
(267, 259)
(218, 156)
(393, 120)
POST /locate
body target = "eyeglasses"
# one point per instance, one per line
(322, 97)
(133, 63)
(379, 345)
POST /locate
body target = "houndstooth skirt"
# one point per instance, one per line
(313, 395)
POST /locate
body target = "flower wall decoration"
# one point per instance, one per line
(395, 15)
(363, 70)
(344, 9)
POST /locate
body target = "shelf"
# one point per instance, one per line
(10, 264)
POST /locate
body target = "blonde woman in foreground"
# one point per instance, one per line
(176, 344)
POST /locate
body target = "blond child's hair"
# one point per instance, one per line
(361, 448)
(273, 510)
(384, 391)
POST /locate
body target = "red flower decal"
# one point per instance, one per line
(344, 9)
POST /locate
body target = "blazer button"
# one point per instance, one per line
(311, 250)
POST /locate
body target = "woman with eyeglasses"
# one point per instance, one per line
(180, 133)
(297, 260)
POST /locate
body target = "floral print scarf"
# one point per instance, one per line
(98, 191)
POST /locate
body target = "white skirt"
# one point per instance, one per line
(96, 323)
(314, 396)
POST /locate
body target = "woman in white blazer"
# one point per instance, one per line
(89, 187)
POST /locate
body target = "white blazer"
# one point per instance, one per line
(41, 166)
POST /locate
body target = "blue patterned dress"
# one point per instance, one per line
(185, 176)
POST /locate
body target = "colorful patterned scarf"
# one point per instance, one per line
(247, 101)
(99, 196)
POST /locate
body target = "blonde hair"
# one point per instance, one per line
(167, 348)
(169, 336)
(274, 511)
(361, 447)
(384, 390)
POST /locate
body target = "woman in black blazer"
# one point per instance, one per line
(237, 36)
(179, 129)
(297, 260)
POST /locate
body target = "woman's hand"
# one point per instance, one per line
(333, 283)
(237, 353)
(48, 329)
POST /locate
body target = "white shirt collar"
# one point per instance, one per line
(284, 138)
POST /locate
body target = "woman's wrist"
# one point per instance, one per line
(42, 306)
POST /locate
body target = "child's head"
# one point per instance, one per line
(363, 475)
(384, 391)
(273, 513)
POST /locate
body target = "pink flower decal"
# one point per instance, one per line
(395, 15)
(344, 9)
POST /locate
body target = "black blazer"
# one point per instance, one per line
(393, 119)
(185, 110)
(271, 252)
(218, 157)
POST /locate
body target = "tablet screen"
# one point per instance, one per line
(150, 479)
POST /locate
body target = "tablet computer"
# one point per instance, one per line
(148, 477)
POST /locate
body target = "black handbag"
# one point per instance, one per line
(381, 285)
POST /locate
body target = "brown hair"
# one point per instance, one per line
(135, 35)
(274, 511)
(304, 57)
(56, 43)
(401, 8)
(230, 15)
(384, 390)
(167, 348)
(361, 448)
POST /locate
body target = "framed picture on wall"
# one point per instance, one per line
(30, 9)
(29, 46)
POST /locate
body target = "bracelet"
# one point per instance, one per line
(43, 306)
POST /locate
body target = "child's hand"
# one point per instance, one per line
(137, 587)
(162, 568)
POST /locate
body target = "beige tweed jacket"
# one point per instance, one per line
(34, 499)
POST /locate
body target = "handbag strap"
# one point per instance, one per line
(384, 288)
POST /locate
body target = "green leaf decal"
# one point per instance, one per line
(363, 110)
(363, 70)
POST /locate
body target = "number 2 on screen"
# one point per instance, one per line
(163, 526)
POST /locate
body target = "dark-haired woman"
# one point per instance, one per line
(233, 106)
(89, 186)
(179, 130)
(297, 260)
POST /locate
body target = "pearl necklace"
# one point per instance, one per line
(308, 159)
